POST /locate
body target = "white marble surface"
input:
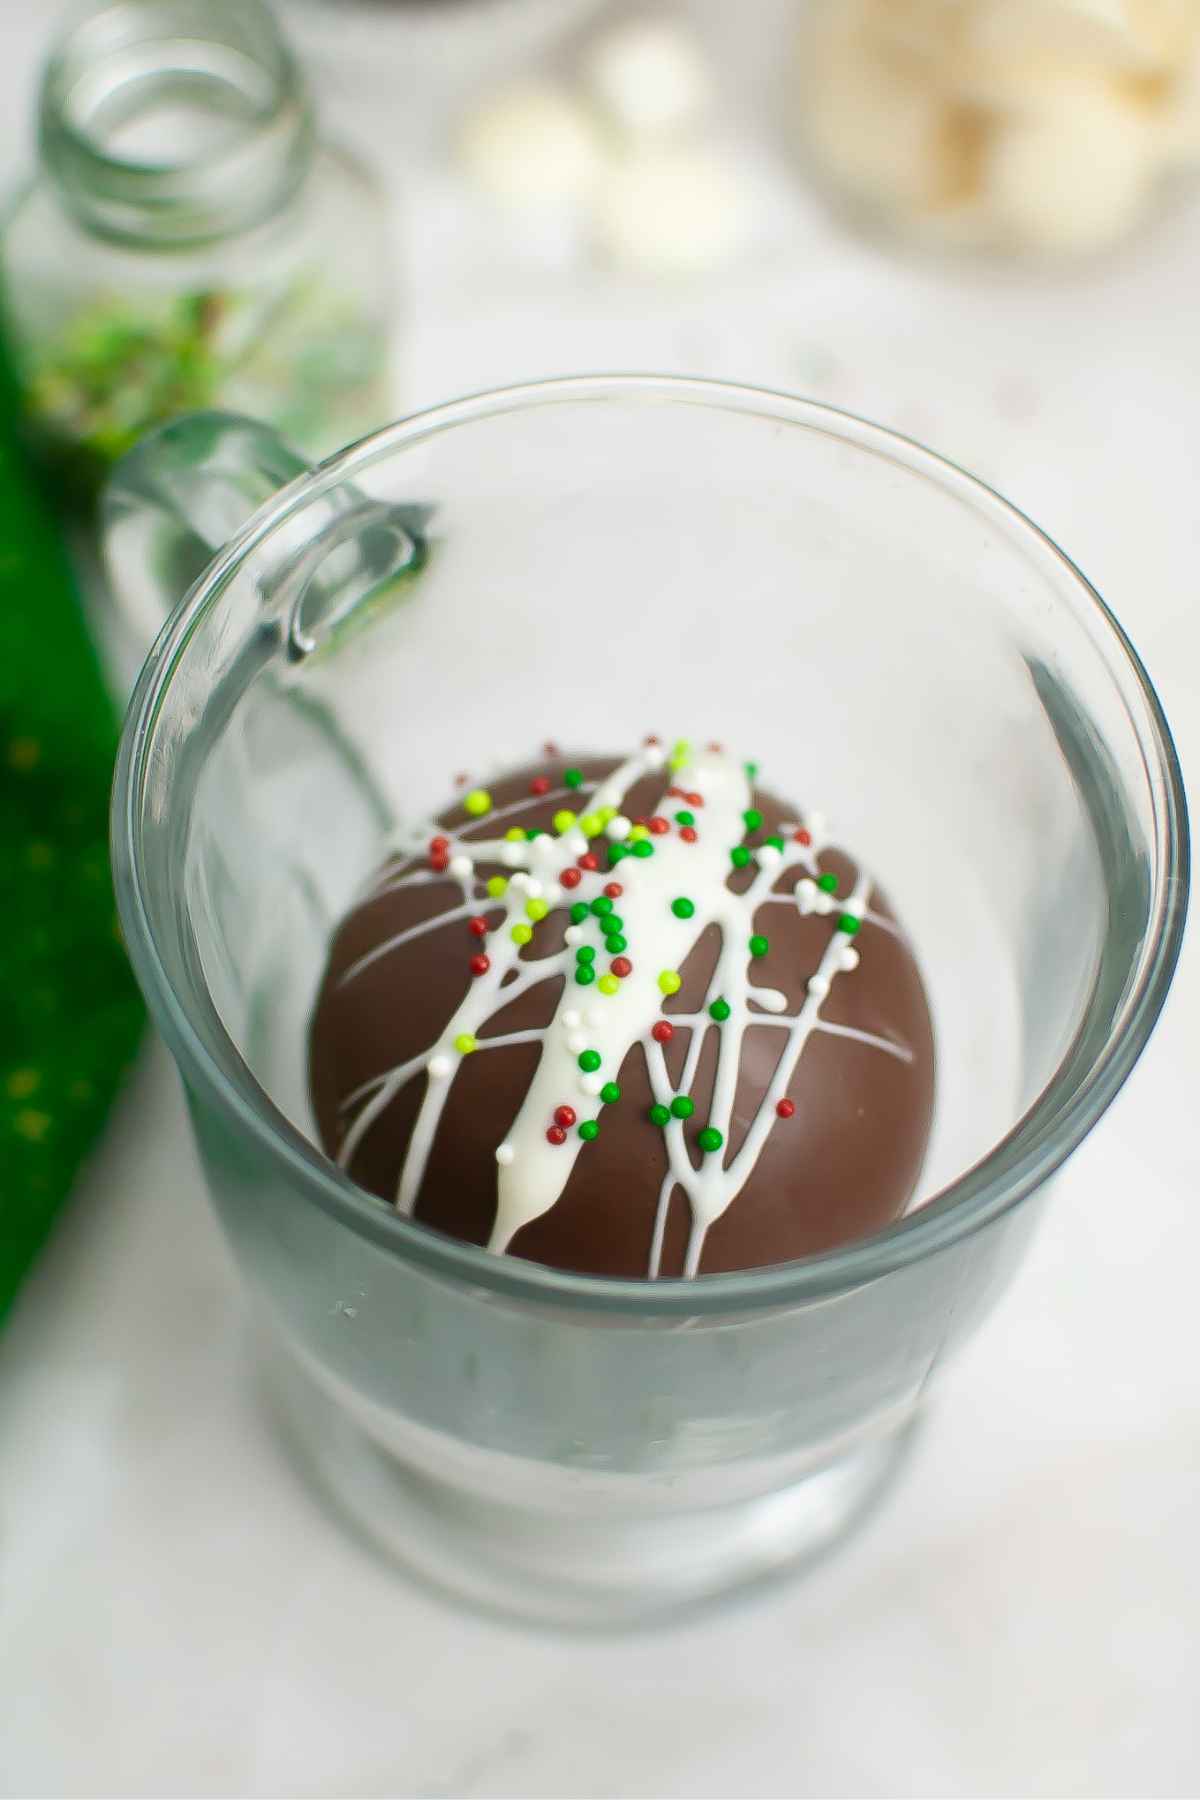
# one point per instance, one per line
(177, 1615)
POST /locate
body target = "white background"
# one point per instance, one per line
(178, 1616)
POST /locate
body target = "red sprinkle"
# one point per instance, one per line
(439, 862)
(589, 862)
(480, 964)
(676, 794)
(556, 1135)
(570, 878)
(802, 836)
(613, 889)
(439, 845)
(477, 927)
(695, 799)
(622, 966)
(688, 833)
(663, 1032)
(564, 1116)
(540, 784)
(658, 824)
(785, 1109)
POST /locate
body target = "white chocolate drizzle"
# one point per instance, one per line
(594, 1027)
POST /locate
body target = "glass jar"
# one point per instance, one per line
(189, 241)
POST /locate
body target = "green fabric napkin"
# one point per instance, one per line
(70, 1014)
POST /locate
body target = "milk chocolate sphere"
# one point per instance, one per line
(631, 1018)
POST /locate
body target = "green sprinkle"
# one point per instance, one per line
(478, 802)
(849, 924)
(752, 818)
(612, 923)
(615, 943)
(739, 856)
(497, 886)
(579, 912)
(610, 1093)
(685, 818)
(601, 905)
(533, 831)
(710, 1138)
(643, 848)
(589, 1131)
(585, 974)
(751, 769)
(609, 984)
(759, 945)
(719, 1010)
(572, 778)
(585, 953)
(589, 1061)
(616, 852)
(683, 908)
(828, 883)
(660, 1115)
(682, 1107)
(776, 843)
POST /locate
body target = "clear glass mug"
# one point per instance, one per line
(587, 560)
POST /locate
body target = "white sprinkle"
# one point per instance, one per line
(818, 986)
(533, 887)
(850, 957)
(824, 902)
(439, 1067)
(571, 1020)
(770, 999)
(806, 895)
(577, 1043)
(505, 1154)
(654, 756)
(769, 856)
(510, 855)
(573, 935)
(590, 1085)
(552, 892)
(519, 882)
(576, 843)
(545, 849)
(462, 866)
(618, 828)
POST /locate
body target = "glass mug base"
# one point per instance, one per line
(561, 1568)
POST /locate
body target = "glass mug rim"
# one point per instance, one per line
(1036, 1146)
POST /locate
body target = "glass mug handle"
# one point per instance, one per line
(179, 496)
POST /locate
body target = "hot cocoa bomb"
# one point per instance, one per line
(630, 1018)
